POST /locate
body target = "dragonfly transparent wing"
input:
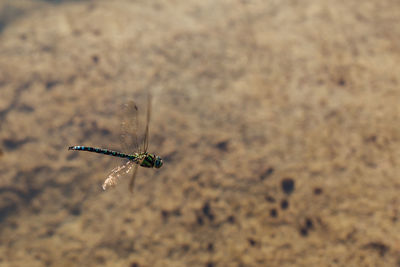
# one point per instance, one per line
(132, 182)
(129, 128)
(146, 133)
(117, 172)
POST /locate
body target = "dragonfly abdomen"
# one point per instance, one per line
(103, 151)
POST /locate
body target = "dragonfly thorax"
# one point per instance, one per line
(148, 160)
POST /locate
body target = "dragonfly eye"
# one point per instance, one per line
(158, 163)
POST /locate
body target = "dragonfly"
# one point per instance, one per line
(136, 148)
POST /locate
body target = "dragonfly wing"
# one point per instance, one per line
(130, 127)
(146, 134)
(132, 182)
(116, 173)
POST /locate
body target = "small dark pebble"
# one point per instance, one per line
(26, 108)
(223, 146)
(207, 211)
(185, 248)
(50, 232)
(270, 199)
(13, 144)
(231, 219)
(309, 223)
(95, 59)
(284, 204)
(164, 214)
(268, 172)
(371, 139)
(177, 212)
(304, 231)
(342, 82)
(273, 213)
(252, 242)
(380, 247)
(200, 220)
(288, 185)
(318, 191)
(76, 210)
(51, 84)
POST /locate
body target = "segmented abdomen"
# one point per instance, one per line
(103, 151)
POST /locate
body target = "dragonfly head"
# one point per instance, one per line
(158, 162)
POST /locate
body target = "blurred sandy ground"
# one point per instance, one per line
(278, 122)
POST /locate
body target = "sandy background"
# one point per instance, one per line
(278, 122)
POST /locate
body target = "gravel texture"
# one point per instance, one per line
(278, 122)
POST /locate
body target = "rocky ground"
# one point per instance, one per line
(278, 122)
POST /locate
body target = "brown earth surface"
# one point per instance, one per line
(278, 122)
